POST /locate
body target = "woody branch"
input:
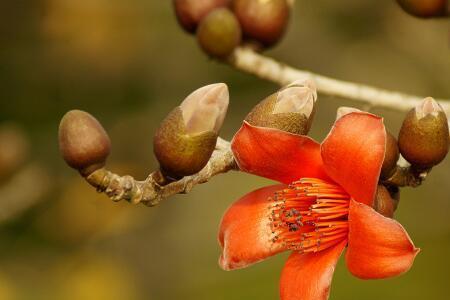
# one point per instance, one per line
(246, 60)
(150, 192)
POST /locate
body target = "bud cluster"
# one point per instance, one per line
(221, 25)
(183, 143)
(186, 139)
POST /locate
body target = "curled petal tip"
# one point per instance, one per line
(392, 251)
(345, 110)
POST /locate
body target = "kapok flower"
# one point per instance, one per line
(323, 205)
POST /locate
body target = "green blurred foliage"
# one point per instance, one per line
(128, 63)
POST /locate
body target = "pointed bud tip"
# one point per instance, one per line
(218, 93)
(428, 106)
(205, 108)
(295, 99)
(307, 83)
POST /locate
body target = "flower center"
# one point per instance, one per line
(310, 215)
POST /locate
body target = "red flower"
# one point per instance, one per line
(325, 207)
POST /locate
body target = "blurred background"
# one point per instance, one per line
(129, 63)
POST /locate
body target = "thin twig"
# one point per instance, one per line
(247, 60)
(149, 191)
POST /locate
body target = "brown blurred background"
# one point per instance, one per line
(128, 63)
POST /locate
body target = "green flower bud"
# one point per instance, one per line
(424, 136)
(83, 142)
(187, 137)
(425, 8)
(219, 33)
(190, 12)
(384, 203)
(391, 156)
(263, 21)
(290, 109)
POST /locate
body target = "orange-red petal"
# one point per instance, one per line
(378, 247)
(308, 276)
(353, 154)
(245, 234)
(277, 154)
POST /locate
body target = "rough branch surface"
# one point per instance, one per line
(149, 191)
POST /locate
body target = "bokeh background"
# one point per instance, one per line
(128, 63)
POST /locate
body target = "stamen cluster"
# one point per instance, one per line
(309, 215)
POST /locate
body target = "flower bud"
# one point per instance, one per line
(384, 203)
(187, 137)
(263, 21)
(425, 8)
(424, 136)
(391, 156)
(83, 142)
(219, 33)
(290, 109)
(190, 12)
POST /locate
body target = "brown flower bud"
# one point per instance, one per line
(384, 203)
(83, 142)
(187, 137)
(190, 12)
(424, 136)
(290, 109)
(263, 21)
(391, 156)
(219, 33)
(425, 8)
